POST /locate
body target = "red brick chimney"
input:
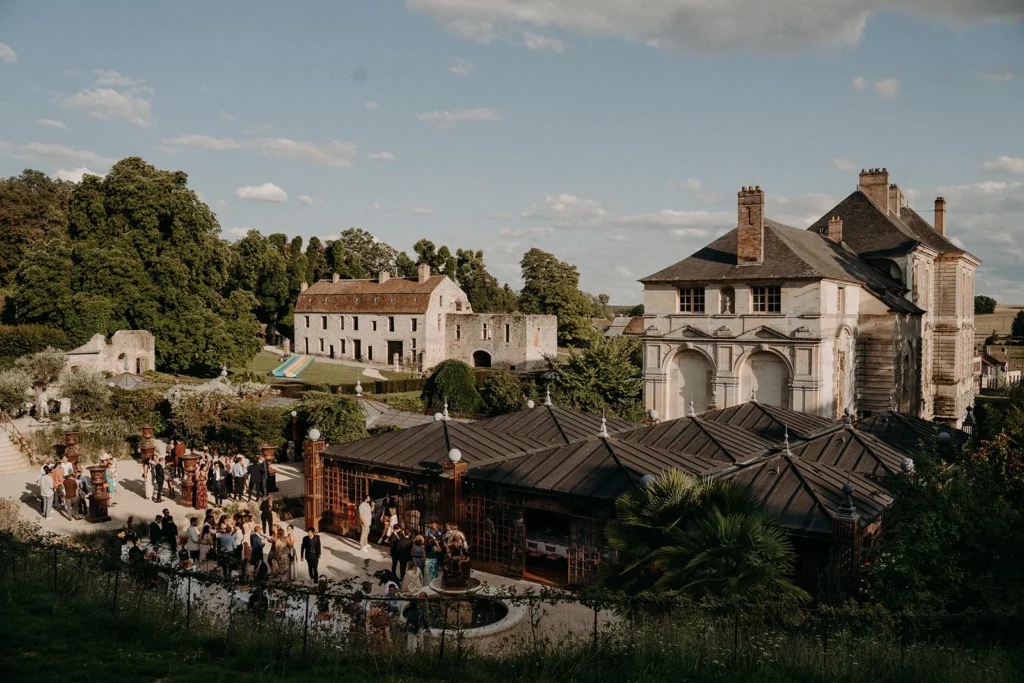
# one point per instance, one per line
(835, 229)
(940, 215)
(750, 226)
(874, 182)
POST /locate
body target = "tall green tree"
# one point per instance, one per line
(374, 255)
(315, 260)
(142, 252)
(551, 287)
(33, 208)
(257, 266)
(1017, 326)
(984, 305)
(466, 268)
(605, 377)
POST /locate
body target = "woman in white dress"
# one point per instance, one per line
(147, 477)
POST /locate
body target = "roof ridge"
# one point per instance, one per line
(793, 460)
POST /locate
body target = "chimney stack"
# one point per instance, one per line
(424, 272)
(940, 215)
(304, 286)
(835, 229)
(750, 226)
(874, 182)
(895, 199)
(383, 277)
(335, 277)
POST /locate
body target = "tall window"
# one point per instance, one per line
(483, 331)
(307, 321)
(321, 346)
(414, 324)
(323, 322)
(343, 347)
(414, 343)
(355, 323)
(373, 325)
(766, 299)
(391, 323)
(841, 300)
(691, 300)
(342, 320)
(508, 333)
(458, 332)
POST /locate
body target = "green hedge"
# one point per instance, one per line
(21, 340)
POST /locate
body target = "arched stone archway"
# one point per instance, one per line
(689, 379)
(768, 376)
(481, 359)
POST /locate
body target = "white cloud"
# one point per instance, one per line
(569, 211)
(54, 156)
(999, 76)
(535, 41)
(416, 210)
(1003, 164)
(799, 210)
(112, 79)
(461, 67)
(532, 230)
(568, 208)
(701, 26)
(334, 153)
(696, 188)
(267, 192)
(371, 105)
(447, 119)
(109, 104)
(50, 123)
(623, 271)
(381, 156)
(224, 114)
(683, 223)
(75, 174)
(859, 83)
(7, 54)
(305, 199)
(844, 165)
(237, 232)
(887, 87)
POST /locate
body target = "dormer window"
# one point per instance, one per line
(691, 300)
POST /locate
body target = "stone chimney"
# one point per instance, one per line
(335, 277)
(750, 226)
(424, 272)
(940, 215)
(874, 182)
(895, 199)
(383, 277)
(835, 229)
(304, 286)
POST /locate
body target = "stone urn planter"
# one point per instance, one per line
(189, 464)
(71, 447)
(100, 498)
(268, 453)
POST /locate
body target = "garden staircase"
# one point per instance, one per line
(13, 447)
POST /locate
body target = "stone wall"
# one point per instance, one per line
(127, 351)
(517, 342)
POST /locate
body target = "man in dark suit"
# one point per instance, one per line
(258, 479)
(156, 531)
(401, 553)
(256, 543)
(310, 551)
(170, 532)
(158, 480)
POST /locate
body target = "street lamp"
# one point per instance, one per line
(314, 434)
(455, 455)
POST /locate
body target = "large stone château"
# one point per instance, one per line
(416, 323)
(869, 309)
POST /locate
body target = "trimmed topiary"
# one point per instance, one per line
(453, 382)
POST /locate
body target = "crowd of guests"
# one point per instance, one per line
(65, 486)
(239, 478)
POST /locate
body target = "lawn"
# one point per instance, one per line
(320, 372)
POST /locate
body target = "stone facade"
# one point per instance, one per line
(414, 323)
(131, 351)
(517, 342)
(873, 312)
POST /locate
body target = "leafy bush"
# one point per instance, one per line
(14, 384)
(249, 377)
(984, 305)
(246, 425)
(44, 367)
(146, 405)
(384, 429)
(87, 390)
(103, 435)
(503, 393)
(339, 418)
(22, 340)
(453, 382)
(195, 410)
(412, 404)
(604, 377)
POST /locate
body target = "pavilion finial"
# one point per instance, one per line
(445, 416)
(692, 413)
(848, 509)
(847, 420)
(785, 441)
(547, 396)
(753, 395)
(604, 428)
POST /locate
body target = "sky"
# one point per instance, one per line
(613, 134)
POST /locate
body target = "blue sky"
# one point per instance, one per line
(612, 134)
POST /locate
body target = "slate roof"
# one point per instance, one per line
(396, 295)
(597, 468)
(771, 422)
(907, 433)
(789, 254)
(805, 496)
(870, 231)
(406, 449)
(128, 380)
(851, 450)
(553, 424)
(702, 438)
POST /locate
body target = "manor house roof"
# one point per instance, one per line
(394, 295)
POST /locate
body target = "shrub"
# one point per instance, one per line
(453, 382)
(146, 405)
(23, 340)
(984, 305)
(43, 366)
(384, 429)
(246, 425)
(87, 390)
(412, 404)
(14, 385)
(503, 393)
(104, 435)
(339, 418)
(248, 376)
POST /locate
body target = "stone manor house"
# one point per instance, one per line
(416, 323)
(869, 309)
